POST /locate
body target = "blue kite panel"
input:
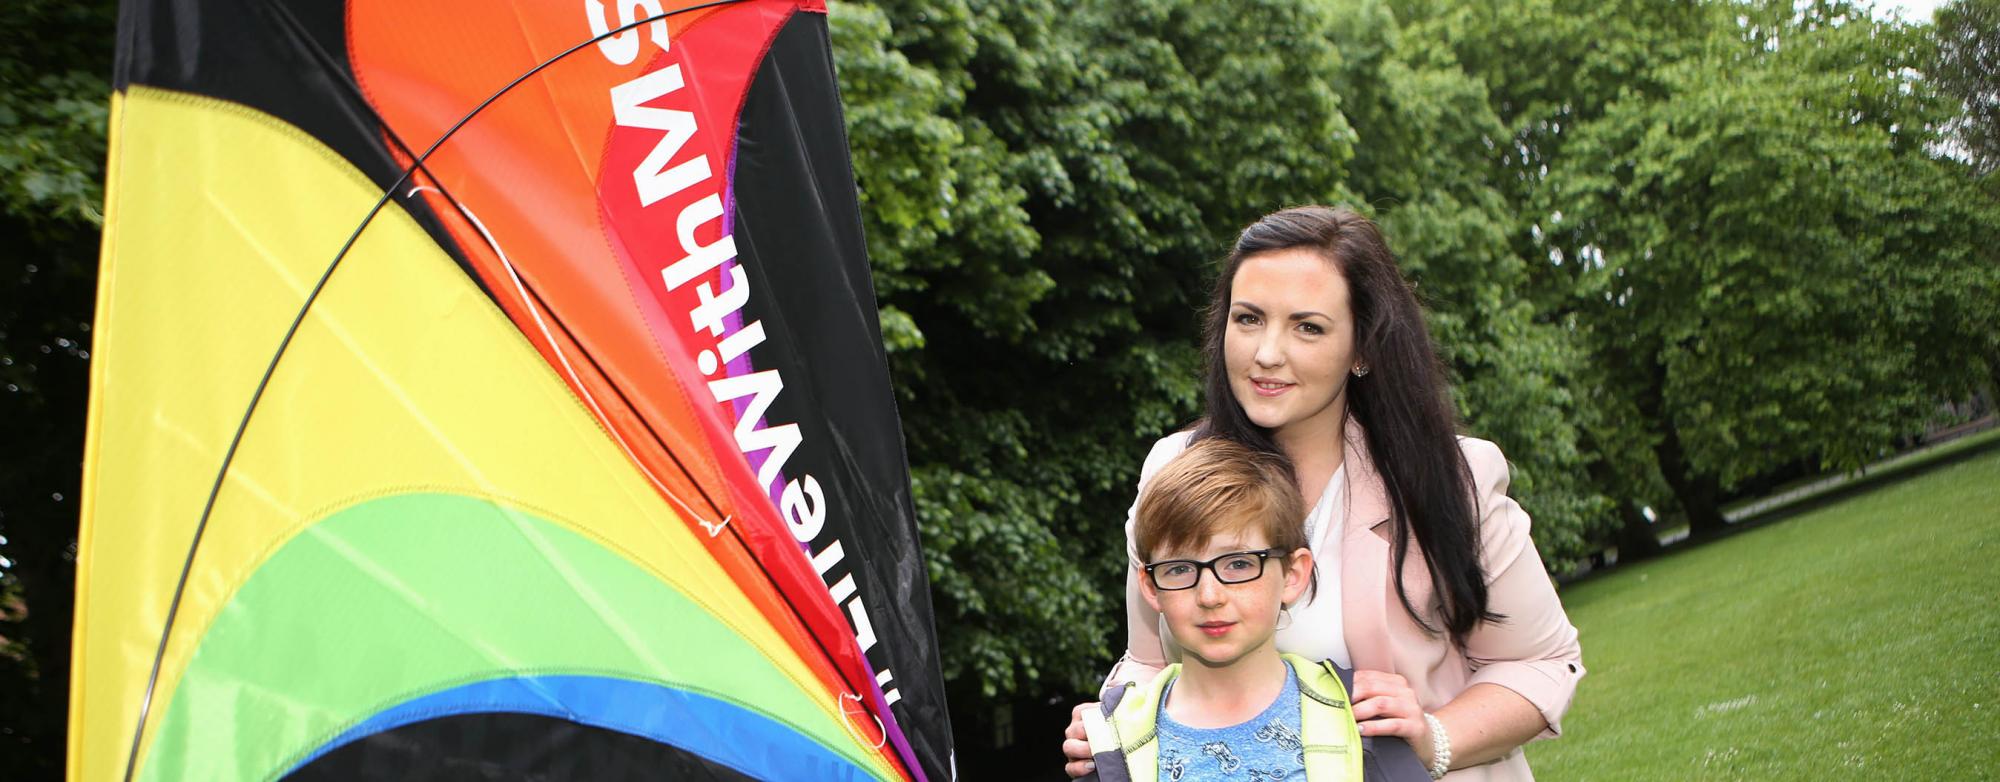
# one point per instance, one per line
(716, 730)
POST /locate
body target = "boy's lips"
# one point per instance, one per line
(1215, 629)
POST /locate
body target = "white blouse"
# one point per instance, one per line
(1315, 631)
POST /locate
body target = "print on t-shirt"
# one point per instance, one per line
(1264, 748)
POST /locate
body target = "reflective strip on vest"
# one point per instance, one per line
(1326, 724)
(1332, 742)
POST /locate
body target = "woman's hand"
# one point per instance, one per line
(1384, 705)
(1076, 745)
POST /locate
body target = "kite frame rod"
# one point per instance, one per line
(530, 298)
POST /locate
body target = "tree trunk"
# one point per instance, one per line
(1993, 389)
(1699, 494)
(1637, 538)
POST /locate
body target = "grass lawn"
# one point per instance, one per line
(1858, 641)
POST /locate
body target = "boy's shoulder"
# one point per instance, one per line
(1137, 698)
(1323, 682)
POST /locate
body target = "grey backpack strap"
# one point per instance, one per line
(1104, 748)
(1112, 698)
(1383, 758)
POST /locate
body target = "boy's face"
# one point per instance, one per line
(1217, 624)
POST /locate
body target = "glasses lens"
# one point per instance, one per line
(1238, 568)
(1175, 575)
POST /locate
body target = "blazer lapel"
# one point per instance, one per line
(1364, 559)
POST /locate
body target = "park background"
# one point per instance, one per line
(1679, 256)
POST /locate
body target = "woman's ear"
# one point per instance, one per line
(1298, 574)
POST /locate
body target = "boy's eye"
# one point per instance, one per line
(1177, 569)
(1239, 564)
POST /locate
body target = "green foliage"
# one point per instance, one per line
(1760, 249)
(51, 143)
(1096, 159)
(53, 119)
(1426, 134)
(1126, 145)
(1664, 246)
(1737, 211)
(1847, 643)
(54, 60)
(1967, 68)
(1550, 66)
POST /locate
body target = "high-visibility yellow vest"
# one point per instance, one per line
(1124, 741)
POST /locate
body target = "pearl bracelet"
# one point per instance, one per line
(1440, 747)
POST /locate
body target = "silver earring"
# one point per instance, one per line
(1360, 370)
(1284, 618)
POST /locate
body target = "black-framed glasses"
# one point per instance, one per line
(1235, 567)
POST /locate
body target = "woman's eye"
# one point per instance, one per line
(1312, 328)
(1245, 319)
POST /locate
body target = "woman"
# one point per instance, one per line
(1428, 583)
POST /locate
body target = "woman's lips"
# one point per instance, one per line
(1216, 629)
(1268, 387)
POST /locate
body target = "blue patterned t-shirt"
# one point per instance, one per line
(1265, 747)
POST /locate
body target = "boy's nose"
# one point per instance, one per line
(1209, 590)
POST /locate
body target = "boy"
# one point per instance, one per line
(1220, 530)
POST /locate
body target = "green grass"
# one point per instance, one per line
(1858, 641)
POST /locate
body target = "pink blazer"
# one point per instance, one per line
(1533, 652)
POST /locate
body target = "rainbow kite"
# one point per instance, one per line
(492, 389)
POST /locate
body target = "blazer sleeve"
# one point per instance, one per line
(1144, 654)
(1533, 650)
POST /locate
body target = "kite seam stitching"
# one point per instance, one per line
(145, 715)
(326, 511)
(604, 223)
(515, 673)
(596, 411)
(262, 118)
(268, 122)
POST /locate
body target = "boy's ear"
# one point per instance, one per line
(1298, 574)
(1146, 589)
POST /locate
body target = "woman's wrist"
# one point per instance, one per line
(1440, 746)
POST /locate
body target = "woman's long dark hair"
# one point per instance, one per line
(1403, 404)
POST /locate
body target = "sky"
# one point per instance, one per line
(1913, 10)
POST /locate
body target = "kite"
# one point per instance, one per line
(492, 389)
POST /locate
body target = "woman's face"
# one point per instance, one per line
(1289, 344)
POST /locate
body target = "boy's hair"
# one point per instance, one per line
(1217, 486)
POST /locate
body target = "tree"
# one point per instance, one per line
(1055, 303)
(1549, 67)
(1777, 270)
(1967, 68)
(1665, 248)
(1425, 133)
(55, 58)
(1111, 154)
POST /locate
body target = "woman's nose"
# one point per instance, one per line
(1270, 348)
